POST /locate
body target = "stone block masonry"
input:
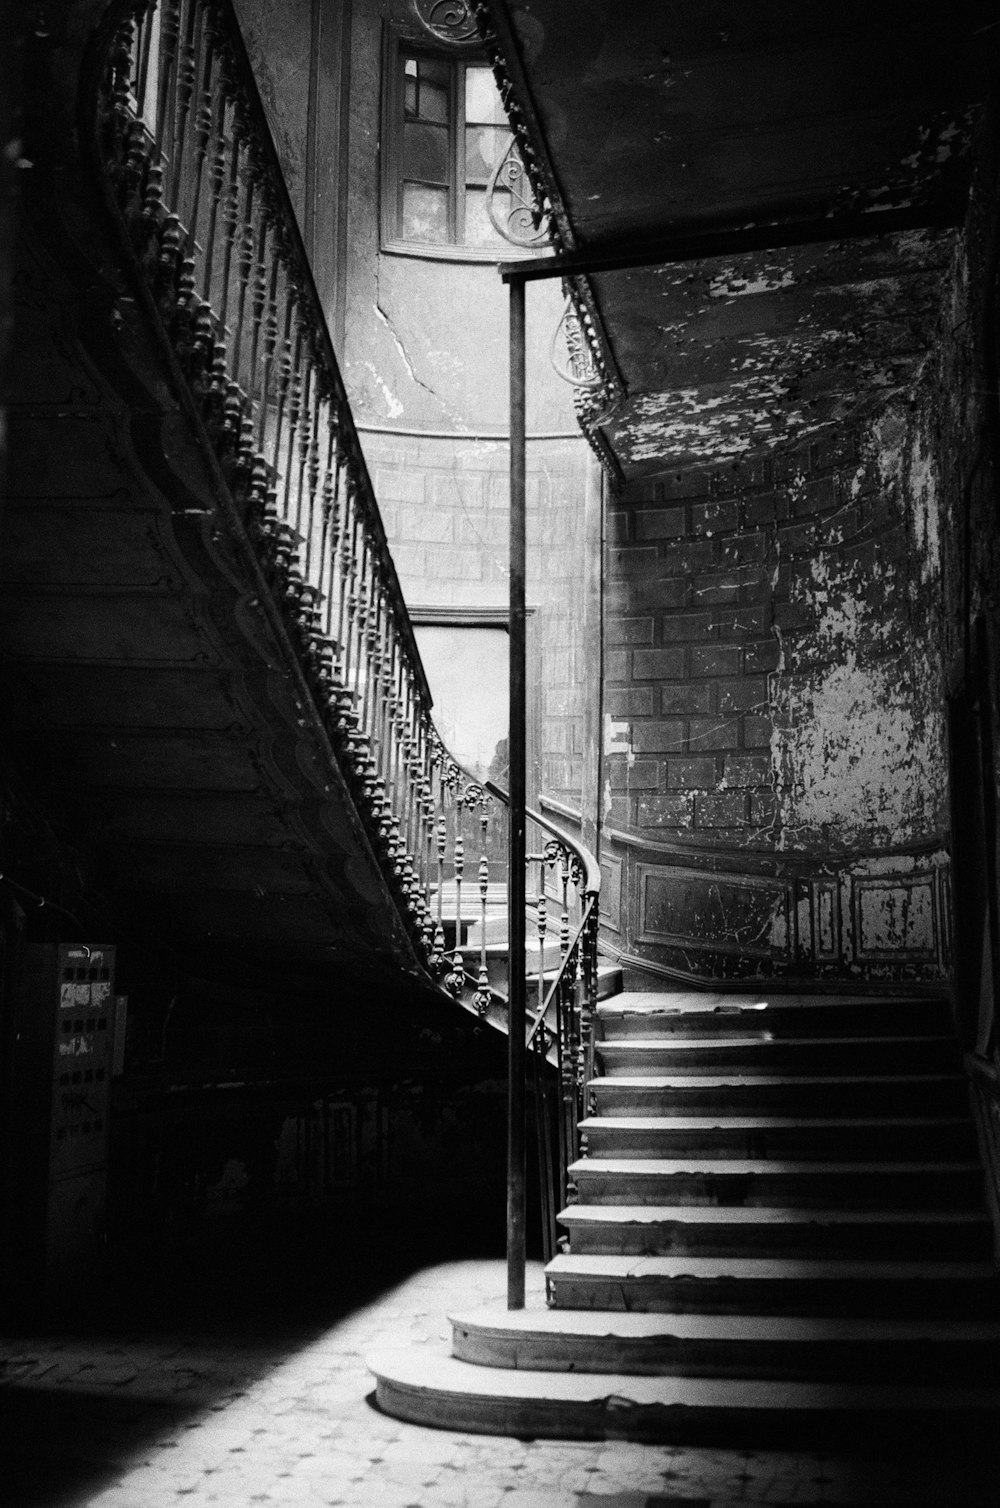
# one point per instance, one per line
(444, 503)
(731, 595)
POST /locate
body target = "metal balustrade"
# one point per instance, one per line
(192, 173)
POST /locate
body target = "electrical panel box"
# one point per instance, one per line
(62, 1060)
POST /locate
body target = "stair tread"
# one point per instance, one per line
(729, 1079)
(431, 1371)
(600, 1322)
(652, 1001)
(811, 1268)
(755, 1122)
(713, 1214)
(770, 1165)
(748, 1039)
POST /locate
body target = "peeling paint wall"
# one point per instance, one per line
(858, 743)
(774, 682)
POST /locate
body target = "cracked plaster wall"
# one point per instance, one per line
(426, 342)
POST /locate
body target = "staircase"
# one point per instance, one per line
(779, 1233)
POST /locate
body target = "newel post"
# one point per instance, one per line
(516, 852)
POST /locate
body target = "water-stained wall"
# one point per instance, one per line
(784, 634)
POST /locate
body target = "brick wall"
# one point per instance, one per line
(445, 505)
(771, 679)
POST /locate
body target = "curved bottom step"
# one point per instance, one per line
(429, 1387)
(939, 1353)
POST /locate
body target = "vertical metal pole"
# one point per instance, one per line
(516, 854)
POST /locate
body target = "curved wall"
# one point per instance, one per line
(776, 778)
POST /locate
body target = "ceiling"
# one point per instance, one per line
(841, 127)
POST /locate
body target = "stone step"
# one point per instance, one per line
(960, 1352)
(808, 1185)
(760, 1094)
(910, 1139)
(660, 1230)
(772, 1285)
(747, 1054)
(653, 1015)
(424, 1385)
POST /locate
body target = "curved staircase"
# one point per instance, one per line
(778, 1233)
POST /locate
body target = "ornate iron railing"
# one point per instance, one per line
(562, 934)
(194, 177)
(196, 180)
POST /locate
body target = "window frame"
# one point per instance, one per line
(398, 41)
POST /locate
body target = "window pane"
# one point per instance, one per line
(425, 213)
(434, 71)
(427, 88)
(425, 152)
(478, 230)
(482, 101)
(433, 103)
(484, 146)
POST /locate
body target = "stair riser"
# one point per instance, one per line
(930, 1362)
(798, 1058)
(963, 1242)
(911, 1019)
(820, 1099)
(928, 1298)
(924, 1189)
(840, 1143)
(962, 1429)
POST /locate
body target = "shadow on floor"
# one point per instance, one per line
(203, 1319)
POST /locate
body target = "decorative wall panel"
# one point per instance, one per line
(895, 917)
(732, 913)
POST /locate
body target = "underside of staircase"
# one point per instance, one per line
(779, 1234)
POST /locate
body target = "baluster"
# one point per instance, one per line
(270, 341)
(272, 509)
(541, 922)
(346, 575)
(230, 209)
(258, 298)
(132, 196)
(297, 456)
(312, 560)
(216, 180)
(483, 996)
(170, 29)
(457, 977)
(333, 501)
(119, 89)
(186, 58)
(144, 51)
(442, 846)
(360, 622)
(244, 267)
(203, 121)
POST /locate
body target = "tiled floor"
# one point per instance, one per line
(229, 1417)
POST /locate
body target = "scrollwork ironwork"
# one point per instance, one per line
(520, 219)
(449, 21)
